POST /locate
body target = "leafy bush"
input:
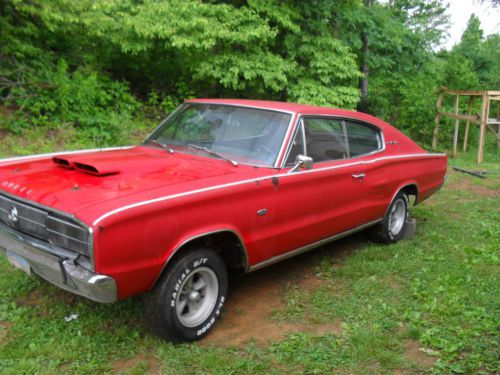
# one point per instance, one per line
(87, 100)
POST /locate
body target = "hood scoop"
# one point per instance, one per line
(62, 162)
(93, 168)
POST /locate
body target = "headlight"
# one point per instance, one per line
(68, 235)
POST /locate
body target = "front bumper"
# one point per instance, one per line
(57, 266)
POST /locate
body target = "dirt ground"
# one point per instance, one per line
(4, 330)
(150, 362)
(414, 353)
(467, 184)
(253, 298)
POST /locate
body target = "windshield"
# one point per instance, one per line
(247, 135)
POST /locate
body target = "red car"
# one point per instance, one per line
(219, 184)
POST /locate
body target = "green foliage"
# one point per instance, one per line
(63, 61)
(491, 57)
(403, 73)
(216, 48)
(94, 65)
(47, 89)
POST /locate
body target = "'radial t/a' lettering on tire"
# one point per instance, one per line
(189, 297)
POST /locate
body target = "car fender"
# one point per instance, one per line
(401, 187)
(182, 241)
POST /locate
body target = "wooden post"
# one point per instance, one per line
(467, 124)
(436, 120)
(498, 125)
(485, 109)
(457, 123)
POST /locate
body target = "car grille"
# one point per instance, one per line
(45, 225)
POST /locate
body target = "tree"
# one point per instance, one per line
(483, 54)
(471, 40)
(491, 54)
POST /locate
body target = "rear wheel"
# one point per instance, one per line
(392, 228)
(189, 297)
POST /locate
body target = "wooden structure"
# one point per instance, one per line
(482, 119)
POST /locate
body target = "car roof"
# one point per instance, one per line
(292, 108)
(265, 104)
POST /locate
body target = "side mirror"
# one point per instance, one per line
(302, 162)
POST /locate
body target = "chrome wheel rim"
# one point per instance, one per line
(197, 297)
(397, 217)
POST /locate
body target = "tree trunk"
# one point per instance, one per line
(363, 82)
(365, 55)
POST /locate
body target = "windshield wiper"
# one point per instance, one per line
(211, 152)
(158, 143)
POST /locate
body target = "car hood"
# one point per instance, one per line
(73, 182)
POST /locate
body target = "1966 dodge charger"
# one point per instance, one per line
(219, 184)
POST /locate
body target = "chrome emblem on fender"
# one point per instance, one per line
(12, 216)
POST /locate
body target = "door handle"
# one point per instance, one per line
(359, 176)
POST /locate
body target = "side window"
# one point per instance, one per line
(325, 139)
(297, 147)
(363, 139)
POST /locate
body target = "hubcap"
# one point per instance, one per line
(197, 297)
(397, 217)
(194, 296)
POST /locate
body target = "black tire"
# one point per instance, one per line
(175, 289)
(386, 231)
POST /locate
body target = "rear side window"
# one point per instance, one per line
(363, 139)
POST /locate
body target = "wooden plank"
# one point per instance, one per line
(436, 120)
(498, 128)
(472, 92)
(473, 173)
(485, 108)
(457, 123)
(472, 119)
(467, 124)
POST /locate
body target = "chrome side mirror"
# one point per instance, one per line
(302, 162)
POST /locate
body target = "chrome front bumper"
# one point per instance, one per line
(57, 266)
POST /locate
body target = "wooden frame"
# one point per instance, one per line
(482, 119)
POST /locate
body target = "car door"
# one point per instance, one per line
(366, 144)
(310, 205)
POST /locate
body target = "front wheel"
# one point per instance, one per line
(392, 228)
(189, 297)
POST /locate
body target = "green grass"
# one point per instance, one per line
(38, 140)
(439, 291)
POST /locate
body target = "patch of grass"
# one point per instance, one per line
(439, 291)
(39, 140)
